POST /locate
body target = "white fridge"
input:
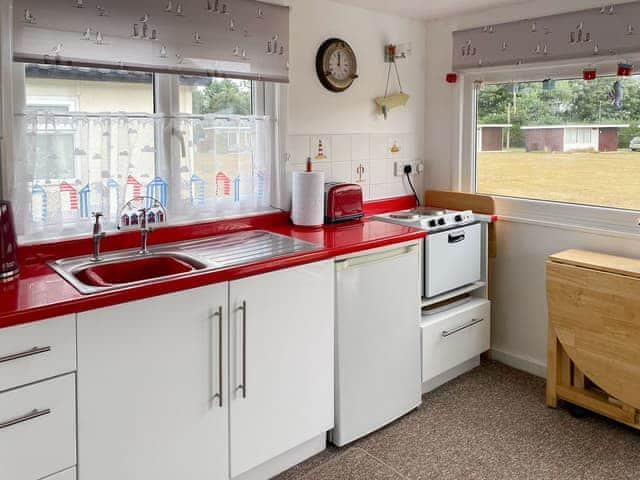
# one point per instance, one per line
(377, 341)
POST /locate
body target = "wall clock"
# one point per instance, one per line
(336, 65)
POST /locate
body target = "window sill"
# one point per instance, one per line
(589, 219)
(175, 221)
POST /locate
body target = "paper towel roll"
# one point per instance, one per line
(307, 199)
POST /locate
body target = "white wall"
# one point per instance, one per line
(519, 311)
(314, 111)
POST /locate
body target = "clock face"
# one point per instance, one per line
(336, 65)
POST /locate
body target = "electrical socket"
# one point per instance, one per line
(398, 167)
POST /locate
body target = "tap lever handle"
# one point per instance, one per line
(144, 221)
(97, 228)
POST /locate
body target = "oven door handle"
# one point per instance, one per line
(456, 238)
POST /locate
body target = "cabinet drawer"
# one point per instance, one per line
(454, 336)
(38, 429)
(35, 351)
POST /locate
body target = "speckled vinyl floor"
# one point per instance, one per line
(491, 423)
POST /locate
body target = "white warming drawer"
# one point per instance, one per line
(451, 337)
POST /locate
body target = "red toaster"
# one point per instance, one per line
(342, 202)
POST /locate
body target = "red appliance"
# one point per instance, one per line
(342, 202)
(8, 243)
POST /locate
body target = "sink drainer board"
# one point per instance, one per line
(593, 358)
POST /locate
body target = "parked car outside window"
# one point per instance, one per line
(634, 144)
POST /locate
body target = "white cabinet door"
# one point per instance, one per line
(284, 361)
(147, 377)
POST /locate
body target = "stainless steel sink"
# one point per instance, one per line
(127, 268)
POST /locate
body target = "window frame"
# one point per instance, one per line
(594, 219)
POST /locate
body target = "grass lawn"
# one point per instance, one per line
(609, 179)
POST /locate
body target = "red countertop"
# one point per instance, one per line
(40, 293)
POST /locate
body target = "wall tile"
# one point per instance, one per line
(341, 172)
(381, 171)
(366, 192)
(326, 147)
(385, 190)
(341, 148)
(360, 147)
(360, 172)
(409, 146)
(379, 146)
(325, 167)
(399, 141)
(298, 148)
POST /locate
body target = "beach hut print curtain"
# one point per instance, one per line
(75, 164)
(225, 167)
(222, 38)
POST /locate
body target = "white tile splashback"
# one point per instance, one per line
(360, 147)
(366, 159)
(341, 148)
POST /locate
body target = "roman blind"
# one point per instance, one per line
(594, 34)
(243, 39)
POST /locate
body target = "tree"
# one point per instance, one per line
(225, 96)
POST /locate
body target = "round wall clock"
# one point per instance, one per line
(336, 65)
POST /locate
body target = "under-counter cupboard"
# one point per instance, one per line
(204, 383)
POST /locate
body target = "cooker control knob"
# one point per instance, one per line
(441, 221)
(432, 223)
(458, 218)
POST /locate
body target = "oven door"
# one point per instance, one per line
(452, 259)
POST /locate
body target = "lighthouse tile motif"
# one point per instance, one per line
(320, 155)
(320, 147)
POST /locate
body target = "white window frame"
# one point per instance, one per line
(594, 219)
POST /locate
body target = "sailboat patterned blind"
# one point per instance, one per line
(243, 39)
(597, 34)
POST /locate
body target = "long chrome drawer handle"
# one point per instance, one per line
(447, 333)
(26, 353)
(25, 418)
(243, 385)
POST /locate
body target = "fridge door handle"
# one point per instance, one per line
(375, 257)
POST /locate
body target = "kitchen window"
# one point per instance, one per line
(566, 140)
(92, 139)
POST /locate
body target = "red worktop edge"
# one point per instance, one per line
(37, 280)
